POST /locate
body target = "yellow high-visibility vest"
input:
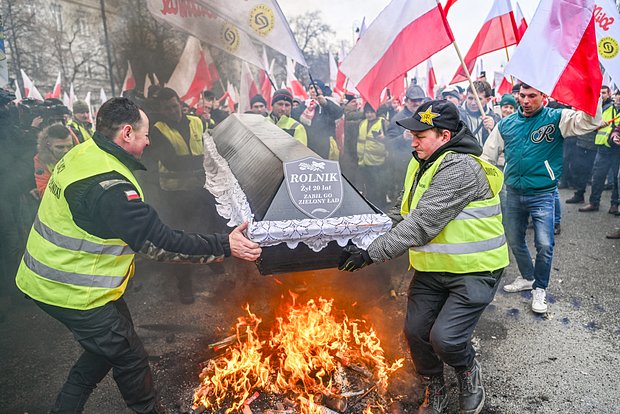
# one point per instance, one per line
(370, 151)
(84, 132)
(64, 265)
(602, 134)
(474, 241)
(182, 180)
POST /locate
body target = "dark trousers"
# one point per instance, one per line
(568, 163)
(110, 342)
(606, 159)
(442, 312)
(582, 169)
(371, 181)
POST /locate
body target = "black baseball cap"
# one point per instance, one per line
(433, 114)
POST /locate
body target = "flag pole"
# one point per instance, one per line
(471, 82)
(458, 52)
(270, 81)
(512, 82)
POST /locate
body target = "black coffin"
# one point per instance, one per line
(256, 151)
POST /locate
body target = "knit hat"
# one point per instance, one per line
(326, 90)
(368, 108)
(415, 92)
(80, 107)
(257, 99)
(451, 91)
(508, 99)
(433, 114)
(282, 95)
(516, 87)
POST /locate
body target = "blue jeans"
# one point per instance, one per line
(542, 209)
(557, 207)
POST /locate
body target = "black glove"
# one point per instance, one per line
(353, 258)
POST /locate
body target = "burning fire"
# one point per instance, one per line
(311, 359)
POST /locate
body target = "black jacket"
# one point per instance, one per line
(101, 206)
(322, 127)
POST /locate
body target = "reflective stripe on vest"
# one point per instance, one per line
(71, 243)
(109, 282)
(602, 134)
(474, 241)
(182, 180)
(64, 265)
(479, 212)
(463, 248)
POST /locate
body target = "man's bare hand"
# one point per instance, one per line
(37, 121)
(241, 246)
(488, 122)
(615, 137)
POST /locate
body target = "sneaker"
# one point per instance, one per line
(614, 234)
(539, 300)
(518, 285)
(613, 209)
(471, 390)
(435, 398)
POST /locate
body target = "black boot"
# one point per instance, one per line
(471, 390)
(575, 199)
(435, 399)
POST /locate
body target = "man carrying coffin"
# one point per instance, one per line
(452, 228)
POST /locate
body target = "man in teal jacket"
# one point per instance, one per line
(532, 140)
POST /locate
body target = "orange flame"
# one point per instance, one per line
(305, 351)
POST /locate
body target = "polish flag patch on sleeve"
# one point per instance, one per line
(132, 195)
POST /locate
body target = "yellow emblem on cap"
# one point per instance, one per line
(427, 116)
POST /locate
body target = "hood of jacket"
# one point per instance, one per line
(463, 142)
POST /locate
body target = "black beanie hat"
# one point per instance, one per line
(258, 98)
(282, 95)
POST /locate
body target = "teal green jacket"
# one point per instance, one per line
(532, 146)
(533, 151)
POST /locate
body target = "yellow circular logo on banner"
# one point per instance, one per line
(262, 20)
(230, 37)
(608, 47)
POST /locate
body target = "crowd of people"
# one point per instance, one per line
(462, 141)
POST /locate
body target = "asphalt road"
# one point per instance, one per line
(565, 362)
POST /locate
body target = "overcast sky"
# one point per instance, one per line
(465, 18)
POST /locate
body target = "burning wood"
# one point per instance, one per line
(311, 363)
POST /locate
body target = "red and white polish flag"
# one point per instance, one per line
(558, 54)
(449, 4)
(431, 80)
(130, 81)
(264, 78)
(292, 83)
(30, 91)
(521, 22)
(56, 91)
(406, 33)
(498, 31)
(191, 76)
